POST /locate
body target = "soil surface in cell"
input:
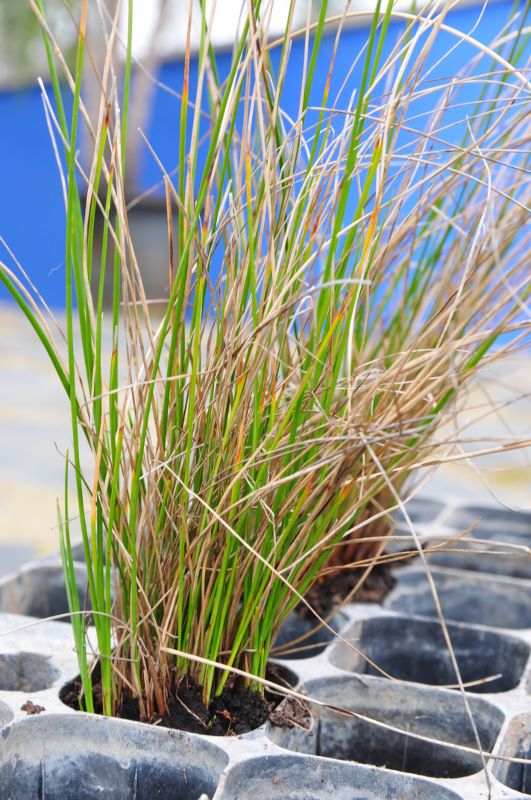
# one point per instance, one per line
(333, 589)
(236, 711)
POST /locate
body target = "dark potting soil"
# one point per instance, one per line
(331, 590)
(237, 710)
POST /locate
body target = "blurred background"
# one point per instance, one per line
(34, 414)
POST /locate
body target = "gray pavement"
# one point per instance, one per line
(34, 425)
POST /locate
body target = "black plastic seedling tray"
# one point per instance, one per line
(406, 736)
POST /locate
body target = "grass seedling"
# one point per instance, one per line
(334, 280)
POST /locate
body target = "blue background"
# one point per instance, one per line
(31, 203)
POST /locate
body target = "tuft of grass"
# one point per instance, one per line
(333, 282)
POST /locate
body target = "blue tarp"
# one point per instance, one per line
(31, 203)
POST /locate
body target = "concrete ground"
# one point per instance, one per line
(35, 433)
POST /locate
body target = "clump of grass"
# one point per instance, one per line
(253, 426)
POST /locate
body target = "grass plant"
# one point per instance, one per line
(249, 432)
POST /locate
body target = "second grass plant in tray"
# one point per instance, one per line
(334, 279)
